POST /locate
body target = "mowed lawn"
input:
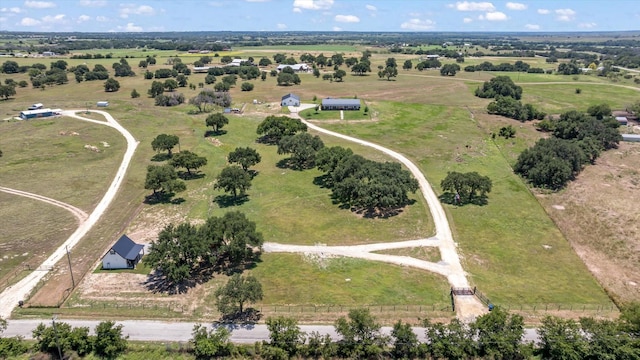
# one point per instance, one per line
(511, 249)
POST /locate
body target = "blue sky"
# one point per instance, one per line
(318, 15)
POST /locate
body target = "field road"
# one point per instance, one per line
(449, 266)
(149, 330)
(11, 295)
(78, 213)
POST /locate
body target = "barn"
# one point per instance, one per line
(294, 67)
(32, 114)
(290, 100)
(124, 254)
(340, 104)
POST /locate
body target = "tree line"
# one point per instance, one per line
(578, 139)
(507, 99)
(496, 335)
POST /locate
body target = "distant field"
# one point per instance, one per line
(313, 48)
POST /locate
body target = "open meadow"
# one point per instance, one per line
(513, 248)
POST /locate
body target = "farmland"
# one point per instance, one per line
(433, 120)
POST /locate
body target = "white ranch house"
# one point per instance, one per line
(124, 254)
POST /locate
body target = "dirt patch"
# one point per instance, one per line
(601, 219)
(215, 142)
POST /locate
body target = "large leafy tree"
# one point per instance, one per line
(163, 180)
(245, 157)
(561, 339)
(70, 339)
(7, 91)
(467, 185)
(157, 88)
(217, 121)
(273, 128)
(176, 253)
(499, 85)
(388, 72)
(599, 111)
(360, 335)
(109, 342)
(188, 160)
(211, 344)
(452, 341)
(165, 142)
(498, 335)
(232, 297)
(285, 334)
(232, 240)
(111, 85)
(302, 147)
(405, 342)
(234, 180)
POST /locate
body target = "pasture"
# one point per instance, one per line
(510, 247)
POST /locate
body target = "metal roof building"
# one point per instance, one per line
(340, 104)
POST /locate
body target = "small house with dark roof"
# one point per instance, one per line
(290, 100)
(340, 104)
(124, 254)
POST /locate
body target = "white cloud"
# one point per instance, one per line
(257, 0)
(29, 22)
(83, 18)
(474, 6)
(130, 28)
(418, 24)
(39, 4)
(130, 9)
(93, 3)
(467, 20)
(337, 28)
(516, 6)
(590, 25)
(565, 14)
(414, 14)
(281, 26)
(543, 11)
(3, 19)
(347, 18)
(55, 19)
(532, 27)
(297, 10)
(102, 18)
(371, 7)
(495, 16)
(15, 10)
(312, 4)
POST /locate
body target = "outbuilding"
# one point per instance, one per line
(340, 104)
(631, 137)
(32, 114)
(36, 106)
(622, 120)
(294, 67)
(124, 254)
(102, 103)
(290, 100)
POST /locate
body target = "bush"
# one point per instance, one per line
(578, 91)
(134, 94)
(246, 86)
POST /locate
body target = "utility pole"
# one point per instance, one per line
(55, 331)
(73, 282)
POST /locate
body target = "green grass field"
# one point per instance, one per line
(502, 242)
(421, 114)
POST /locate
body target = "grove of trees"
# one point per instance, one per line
(469, 187)
(187, 254)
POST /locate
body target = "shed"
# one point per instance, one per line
(102, 103)
(631, 137)
(294, 67)
(32, 114)
(124, 254)
(622, 120)
(201, 69)
(340, 104)
(290, 100)
(36, 106)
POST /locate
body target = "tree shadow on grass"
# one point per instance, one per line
(225, 200)
(449, 198)
(160, 157)
(184, 175)
(322, 181)
(248, 316)
(162, 198)
(214, 133)
(156, 282)
(289, 163)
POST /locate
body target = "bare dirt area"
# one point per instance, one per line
(598, 213)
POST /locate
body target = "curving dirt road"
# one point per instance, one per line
(449, 266)
(78, 213)
(11, 295)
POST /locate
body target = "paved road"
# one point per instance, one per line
(147, 330)
(449, 265)
(78, 213)
(11, 295)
